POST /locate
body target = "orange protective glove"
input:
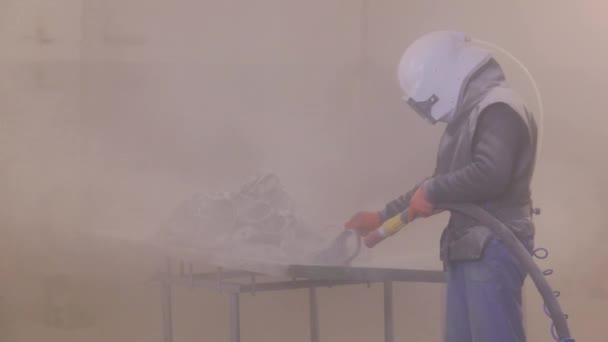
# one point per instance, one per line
(419, 205)
(364, 222)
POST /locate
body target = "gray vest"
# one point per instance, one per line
(464, 239)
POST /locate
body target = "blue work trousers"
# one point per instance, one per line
(484, 298)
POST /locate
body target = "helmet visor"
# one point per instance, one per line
(423, 108)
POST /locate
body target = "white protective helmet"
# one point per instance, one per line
(434, 70)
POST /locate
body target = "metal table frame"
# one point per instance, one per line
(302, 277)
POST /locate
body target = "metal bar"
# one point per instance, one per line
(207, 276)
(235, 319)
(166, 305)
(166, 310)
(314, 315)
(212, 284)
(365, 274)
(388, 312)
(233, 286)
(330, 273)
(225, 275)
(294, 285)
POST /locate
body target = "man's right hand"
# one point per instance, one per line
(364, 222)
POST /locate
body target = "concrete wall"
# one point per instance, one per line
(113, 111)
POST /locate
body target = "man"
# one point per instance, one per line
(486, 157)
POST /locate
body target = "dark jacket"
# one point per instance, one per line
(486, 157)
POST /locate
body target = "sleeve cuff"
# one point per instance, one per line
(430, 191)
(383, 215)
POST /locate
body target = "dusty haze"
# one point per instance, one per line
(113, 111)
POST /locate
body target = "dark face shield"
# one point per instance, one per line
(423, 108)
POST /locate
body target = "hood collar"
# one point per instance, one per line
(486, 77)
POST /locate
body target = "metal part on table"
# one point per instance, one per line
(301, 277)
(337, 252)
(259, 221)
